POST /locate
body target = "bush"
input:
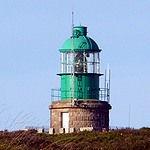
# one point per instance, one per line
(124, 139)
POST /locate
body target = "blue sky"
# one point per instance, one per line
(31, 33)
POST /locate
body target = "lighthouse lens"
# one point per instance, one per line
(80, 63)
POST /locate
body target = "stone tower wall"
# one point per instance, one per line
(82, 114)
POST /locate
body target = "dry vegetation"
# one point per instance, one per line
(125, 139)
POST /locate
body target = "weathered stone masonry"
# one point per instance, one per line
(85, 114)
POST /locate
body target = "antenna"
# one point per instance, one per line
(107, 83)
(73, 55)
(72, 21)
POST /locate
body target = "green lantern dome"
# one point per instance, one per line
(79, 41)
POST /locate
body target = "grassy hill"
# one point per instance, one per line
(125, 139)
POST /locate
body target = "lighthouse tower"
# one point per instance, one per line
(80, 103)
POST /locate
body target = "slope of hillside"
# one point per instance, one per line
(125, 139)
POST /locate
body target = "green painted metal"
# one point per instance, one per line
(81, 42)
(79, 31)
(86, 86)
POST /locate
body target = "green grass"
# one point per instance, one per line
(125, 139)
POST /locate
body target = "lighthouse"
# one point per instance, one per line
(80, 103)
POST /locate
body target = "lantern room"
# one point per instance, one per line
(80, 53)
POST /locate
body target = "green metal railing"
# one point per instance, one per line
(104, 94)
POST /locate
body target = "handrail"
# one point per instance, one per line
(104, 94)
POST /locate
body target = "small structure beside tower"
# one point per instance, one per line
(80, 103)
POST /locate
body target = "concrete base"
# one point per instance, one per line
(41, 130)
(51, 130)
(87, 129)
(62, 130)
(72, 130)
